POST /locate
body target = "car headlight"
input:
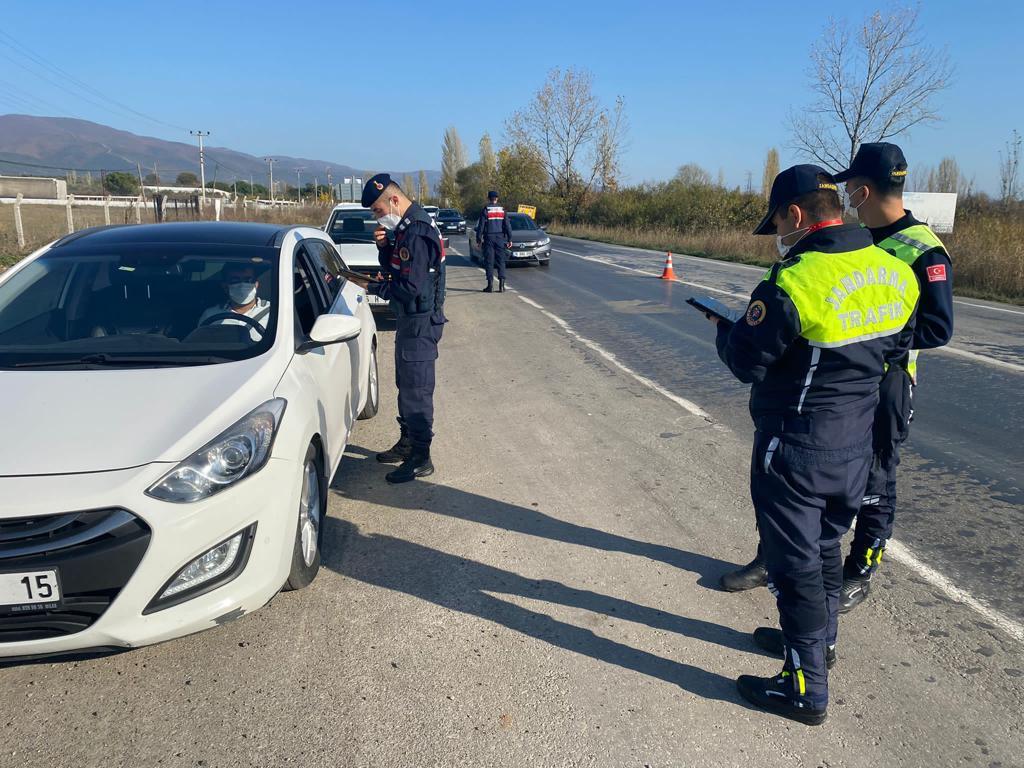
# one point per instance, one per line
(239, 451)
(545, 241)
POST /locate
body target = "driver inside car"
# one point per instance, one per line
(241, 286)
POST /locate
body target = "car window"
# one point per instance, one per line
(309, 300)
(329, 264)
(352, 226)
(144, 303)
(520, 221)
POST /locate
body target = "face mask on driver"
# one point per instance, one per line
(242, 293)
(390, 220)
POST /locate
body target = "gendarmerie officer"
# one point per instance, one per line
(494, 236)
(814, 342)
(414, 283)
(874, 188)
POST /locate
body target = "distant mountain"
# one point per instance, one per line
(27, 142)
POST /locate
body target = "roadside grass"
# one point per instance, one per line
(45, 223)
(987, 250)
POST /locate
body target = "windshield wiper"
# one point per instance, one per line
(116, 360)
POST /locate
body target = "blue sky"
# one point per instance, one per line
(375, 84)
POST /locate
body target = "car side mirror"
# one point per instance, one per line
(332, 329)
(544, 227)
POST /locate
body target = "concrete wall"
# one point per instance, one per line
(34, 187)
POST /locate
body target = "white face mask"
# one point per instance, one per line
(850, 207)
(390, 220)
(783, 248)
(242, 293)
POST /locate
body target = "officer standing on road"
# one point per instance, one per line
(874, 188)
(493, 235)
(814, 342)
(413, 273)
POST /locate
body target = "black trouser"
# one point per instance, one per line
(878, 508)
(805, 498)
(416, 339)
(494, 253)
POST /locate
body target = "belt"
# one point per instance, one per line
(783, 425)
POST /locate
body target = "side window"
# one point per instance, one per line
(329, 266)
(309, 299)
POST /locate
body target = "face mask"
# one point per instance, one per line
(241, 293)
(783, 248)
(850, 207)
(391, 220)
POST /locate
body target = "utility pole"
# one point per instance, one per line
(316, 189)
(202, 161)
(329, 184)
(138, 166)
(298, 183)
(271, 161)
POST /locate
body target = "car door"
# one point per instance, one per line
(335, 367)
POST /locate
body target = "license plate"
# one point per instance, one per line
(29, 591)
(376, 299)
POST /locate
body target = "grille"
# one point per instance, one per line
(96, 552)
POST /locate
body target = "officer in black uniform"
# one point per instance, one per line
(493, 235)
(817, 334)
(874, 187)
(413, 272)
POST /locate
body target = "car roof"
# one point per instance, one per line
(208, 232)
(350, 207)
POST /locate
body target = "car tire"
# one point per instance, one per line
(309, 529)
(372, 387)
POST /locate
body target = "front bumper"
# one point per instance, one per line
(529, 255)
(109, 583)
(459, 229)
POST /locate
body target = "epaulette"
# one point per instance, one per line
(773, 276)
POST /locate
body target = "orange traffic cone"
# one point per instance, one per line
(668, 274)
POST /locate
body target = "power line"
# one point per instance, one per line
(28, 53)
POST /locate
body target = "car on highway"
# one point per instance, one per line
(351, 227)
(530, 243)
(166, 451)
(450, 220)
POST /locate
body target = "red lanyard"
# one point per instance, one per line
(822, 224)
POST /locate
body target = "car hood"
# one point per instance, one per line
(67, 422)
(359, 254)
(531, 236)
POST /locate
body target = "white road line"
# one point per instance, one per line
(736, 265)
(894, 549)
(946, 350)
(682, 402)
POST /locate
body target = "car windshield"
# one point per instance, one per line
(354, 226)
(139, 305)
(448, 213)
(520, 221)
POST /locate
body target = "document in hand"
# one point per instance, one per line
(710, 306)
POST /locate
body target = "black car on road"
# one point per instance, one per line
(530, 243)
(450, 220)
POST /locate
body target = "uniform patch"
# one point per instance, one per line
(378, 185)
(937, 273)
(756, 312)
(403, 254)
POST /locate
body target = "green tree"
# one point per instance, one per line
(424, 187)
(453, 160)
(488, 160)
(407, 186)
(152, 180)
(521, 177)
(121, 183)
(473, 188)
(187, 179)
(771, 170)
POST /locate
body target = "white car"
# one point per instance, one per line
(160, 475)
(351, 228)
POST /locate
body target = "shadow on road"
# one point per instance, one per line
(474, 588)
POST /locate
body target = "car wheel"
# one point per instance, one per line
(309, 528)
(372, 388)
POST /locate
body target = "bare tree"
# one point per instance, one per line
(407, 185)
(453, 160)
(1009, 169)
(579, 140)
(947, 177)
(692, 175)
(488, 160)
(771, 170)
(873, 85)
(424, 187)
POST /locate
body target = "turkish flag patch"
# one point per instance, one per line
(937, 273)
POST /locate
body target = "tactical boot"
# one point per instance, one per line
(417, 465)
(853, 593)
(501, 285)
(770, 639)
(751, 575)
(775, 694)
(488, 289)
(397, 453)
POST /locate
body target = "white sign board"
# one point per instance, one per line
(936, 209)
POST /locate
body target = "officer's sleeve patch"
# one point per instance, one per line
(403, 254)
(756, 312)
(936, 273)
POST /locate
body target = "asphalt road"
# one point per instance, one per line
(546, 598)
(961, 481)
